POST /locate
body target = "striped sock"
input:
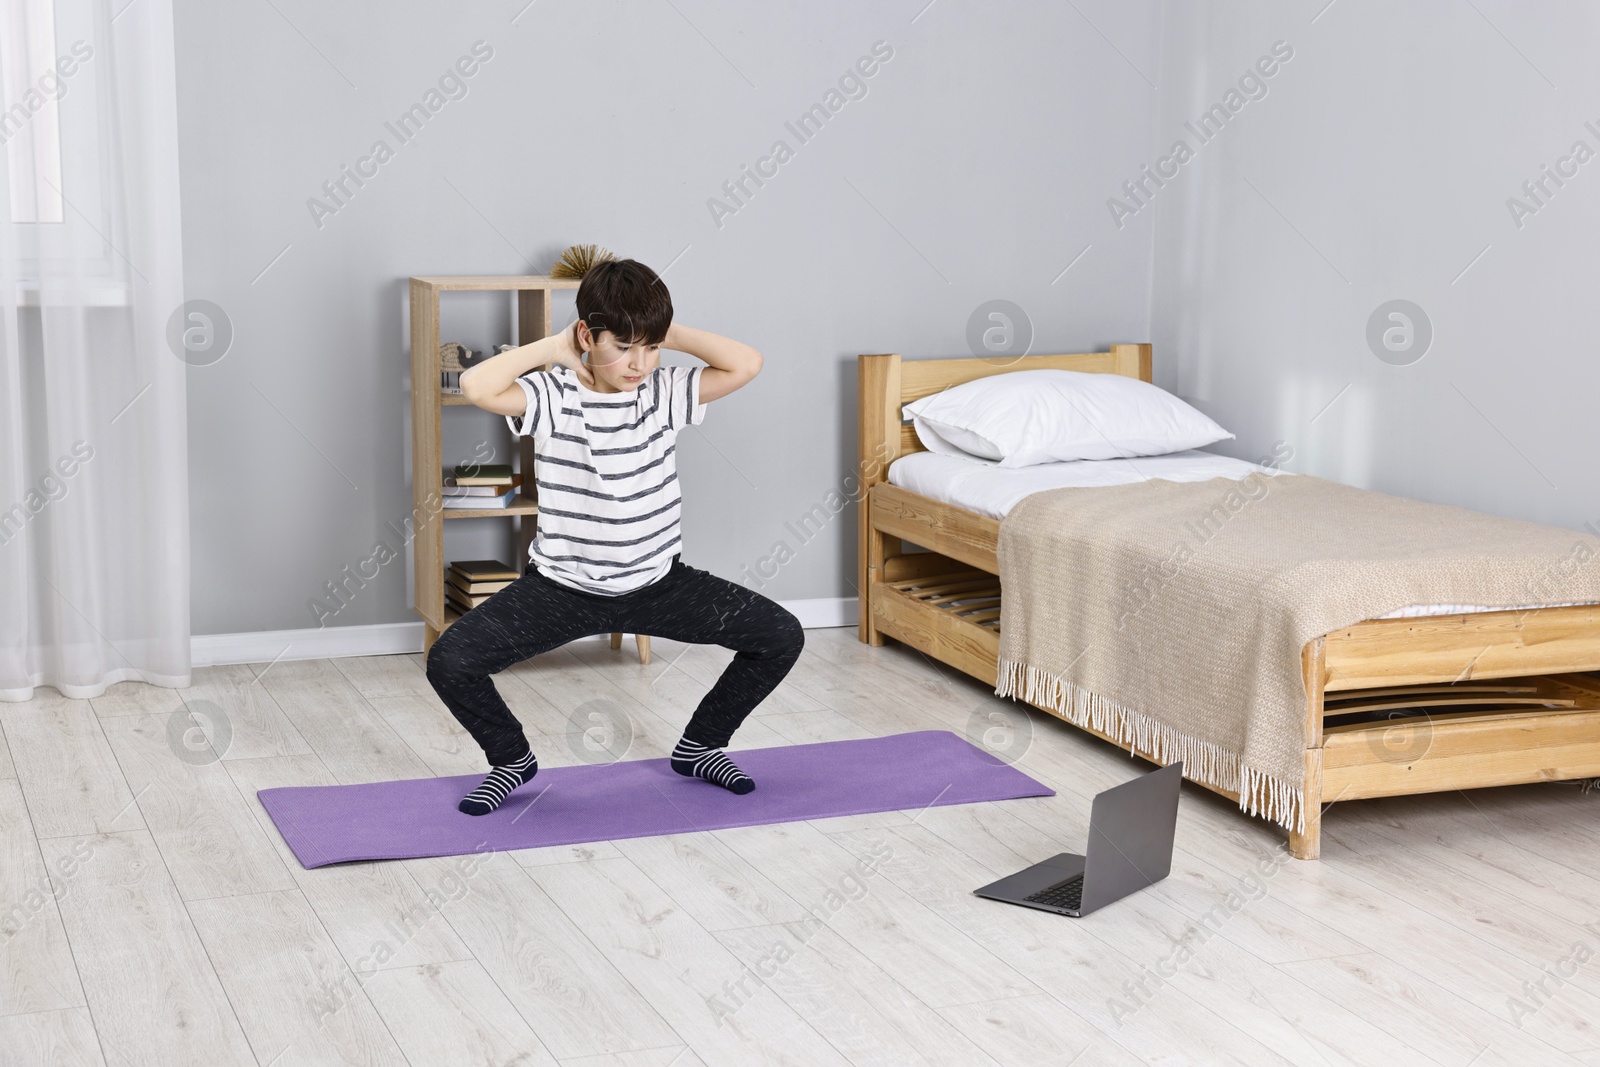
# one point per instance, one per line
(498, 785)
(695, 760)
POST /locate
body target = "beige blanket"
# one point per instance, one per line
(1172, 615)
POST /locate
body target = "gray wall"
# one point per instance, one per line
(1378, 167)
(974, 168)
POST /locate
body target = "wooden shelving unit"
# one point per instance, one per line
(427, 401)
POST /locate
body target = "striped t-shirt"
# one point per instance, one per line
(607, 476)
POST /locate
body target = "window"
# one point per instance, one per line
(63, 165)
(30, 126)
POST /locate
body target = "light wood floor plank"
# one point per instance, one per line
(666, 688)
(571, 703)
(8, 771)
(400, 692)
(865, 821)
(37, 973)
(212, 844)
(814, 727)
(1427, 1016)
(255, 725)
(679, 1056)
(430, 731)
(1540, 828)
(916, 947)
(566, 989)
(1186, 955)
(1478, 971)
(863, 1013)
(705, 663)
(69, 777)
(713, 884)
(539, 857)
(137, 698)
(150, 986)
(345, 731)
(61, 1038)
(851, 695)
(1036, 1029)
(679, 968)
(1525, 930)
(453, 1015)
(904, 669)
(298, 1001)
(381, 677)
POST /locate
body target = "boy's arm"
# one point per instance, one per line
(730, 363)
(492, 384)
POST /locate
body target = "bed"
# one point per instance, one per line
(1468, 697)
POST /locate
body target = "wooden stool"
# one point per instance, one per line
(642, 640)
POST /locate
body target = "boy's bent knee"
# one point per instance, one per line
(445, 661)
(778, 636)
(791, 635)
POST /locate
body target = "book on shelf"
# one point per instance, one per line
(478, 589)
(469, 583)
(462, 602)
(479, 490)
(483, 570)
(481, 503)
(479, 474)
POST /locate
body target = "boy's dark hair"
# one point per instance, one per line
(627, 298)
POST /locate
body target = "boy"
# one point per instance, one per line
(605, 559)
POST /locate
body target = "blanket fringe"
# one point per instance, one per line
(1276, 799)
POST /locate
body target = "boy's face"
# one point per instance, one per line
(618, 366)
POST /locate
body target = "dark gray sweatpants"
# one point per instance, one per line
(534, 614)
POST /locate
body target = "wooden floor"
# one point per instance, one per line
(153, 916)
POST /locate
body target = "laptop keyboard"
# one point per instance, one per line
(1068, 894)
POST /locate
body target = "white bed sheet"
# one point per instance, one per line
(989, 489)
(985, 487)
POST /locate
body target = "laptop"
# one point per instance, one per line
(1131, 828)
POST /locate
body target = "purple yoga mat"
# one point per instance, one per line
(326, 824)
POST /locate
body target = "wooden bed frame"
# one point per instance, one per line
(1540, 722)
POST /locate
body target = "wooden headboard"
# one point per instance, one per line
(887, 381)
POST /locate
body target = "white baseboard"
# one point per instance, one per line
(395, 638)
(824, 612)
(328, 642)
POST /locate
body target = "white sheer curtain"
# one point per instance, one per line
(94, 524)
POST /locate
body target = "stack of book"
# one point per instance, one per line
(483, 486)
(469, 583)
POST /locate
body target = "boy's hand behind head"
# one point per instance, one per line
(572, 355)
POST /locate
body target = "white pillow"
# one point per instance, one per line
(1045, 416)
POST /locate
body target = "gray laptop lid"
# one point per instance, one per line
(1131, 828)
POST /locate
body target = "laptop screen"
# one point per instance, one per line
(1131, 828)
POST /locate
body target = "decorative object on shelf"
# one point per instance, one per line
(577, 259)
(453, 359)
